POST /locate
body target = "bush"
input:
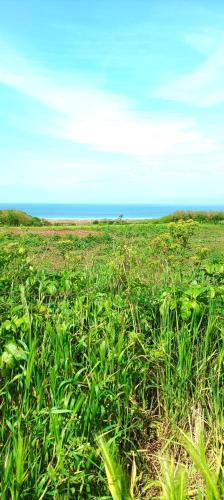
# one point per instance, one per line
(18, 218)
(177, 239)
(196, 215)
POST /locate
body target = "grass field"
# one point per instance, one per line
(112, 349)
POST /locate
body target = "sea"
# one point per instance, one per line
(101, 211)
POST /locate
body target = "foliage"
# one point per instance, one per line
(114, 336)
(176, 238)
(117, 482)
(196, 215)
(18, 218)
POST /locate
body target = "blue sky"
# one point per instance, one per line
(112, 101)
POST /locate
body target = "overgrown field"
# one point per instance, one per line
(111, 368)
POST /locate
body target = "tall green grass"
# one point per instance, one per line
(129, 347)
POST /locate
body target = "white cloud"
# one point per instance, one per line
(206, 41)
(204, 86)
(40, 175)
(104, 121)
(154, 157)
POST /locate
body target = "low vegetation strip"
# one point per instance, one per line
(17, 218)
(197, 215)
(48, 231)
(111, 363)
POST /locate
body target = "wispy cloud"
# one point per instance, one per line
(89, 143)
(108, 122)
(204, 86)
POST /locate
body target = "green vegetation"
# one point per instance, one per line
(197, 215)
(111, 362)
(18, 218)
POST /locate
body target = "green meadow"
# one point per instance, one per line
(111, 361)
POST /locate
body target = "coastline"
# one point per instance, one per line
(69, 221)
(99, 220)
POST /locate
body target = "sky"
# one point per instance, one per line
(117, 101)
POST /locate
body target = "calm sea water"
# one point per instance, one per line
(85, 211)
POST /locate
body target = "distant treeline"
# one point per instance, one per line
(197, 215)
(18, 218)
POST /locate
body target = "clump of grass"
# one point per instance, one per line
(173, 479)
(117, 481)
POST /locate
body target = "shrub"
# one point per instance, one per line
(196, 215)
(177, 239)
(18, 218)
